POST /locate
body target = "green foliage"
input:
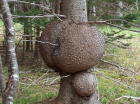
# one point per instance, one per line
(131, 17)
(32, 12)
(1, 23)
(116, 36)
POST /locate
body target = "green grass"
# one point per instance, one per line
(1, 23)
(29, 92)
(109, 89)
(31, 96)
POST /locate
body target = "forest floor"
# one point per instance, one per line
(118, 75)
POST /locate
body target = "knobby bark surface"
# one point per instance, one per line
(76, 10)
(68, 95)
(13, 69)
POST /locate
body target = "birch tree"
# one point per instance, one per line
(13, 75)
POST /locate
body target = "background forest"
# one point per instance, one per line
(118, 72)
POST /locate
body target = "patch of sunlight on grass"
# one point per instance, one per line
(18, 26)
(127, 57)
(1, 22)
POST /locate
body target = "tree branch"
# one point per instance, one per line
(40, 6)
(135, 99)
(133, 24)
(107, 23)
(33, 4)
(41, 42)
(120, 67)
(43, 16)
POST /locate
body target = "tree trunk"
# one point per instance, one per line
(119, 9)
(27, 31)
(75, 10)
(2, 82)
(6, 50)
(57, 6)
(79, 88)
(36, 52)
(68, 95)
(13, 75)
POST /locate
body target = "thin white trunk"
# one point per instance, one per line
(137, 5)
(119, 9)
(13, 70)
(94, 10)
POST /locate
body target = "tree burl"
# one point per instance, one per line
(76, 47)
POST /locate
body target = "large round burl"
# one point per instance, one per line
(73, 47)
(84, 83)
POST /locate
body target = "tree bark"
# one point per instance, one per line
(75, 10)
(13, 75)
(27, 31)
(2, 82)
(119, 9)
(36, 51)
(68, 95)
(57, 4)
(75, 89)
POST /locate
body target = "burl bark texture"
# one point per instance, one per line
(78, 46)
(68, 94)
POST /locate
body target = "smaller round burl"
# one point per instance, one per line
(71, 47)
(84, 83)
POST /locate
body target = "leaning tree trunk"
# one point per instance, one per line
(77, 88)
(13, 75)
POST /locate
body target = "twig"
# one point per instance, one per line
(41, 42)
(41, 6)
(107, 23)
(2, 35)
(117, 81)
(35, 81)
(33, 4)
(133, 24)
(136, 99)
(43, 16)
(57, 78)
(120, 27)
(120, 67)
